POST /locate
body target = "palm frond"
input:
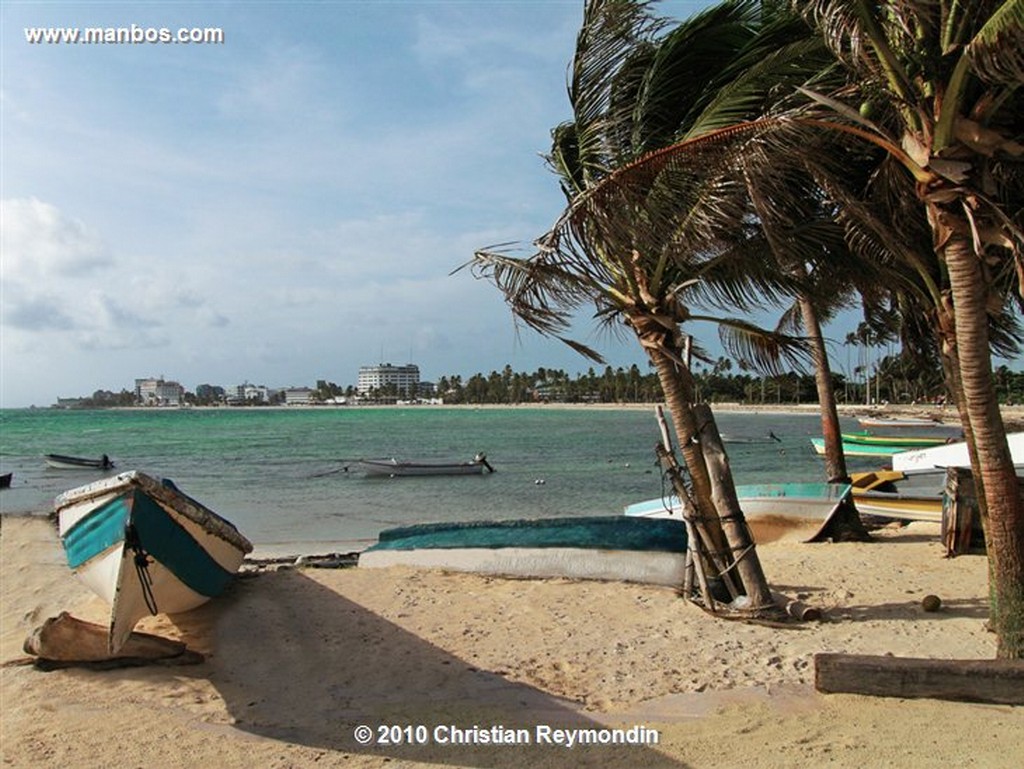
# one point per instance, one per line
(766, 351)
(997, 50)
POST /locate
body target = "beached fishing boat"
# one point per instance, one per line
(394, 468)
(772, 510)
(911, 496)
(590, 547)
(867, 445)
(903, 441)
(852, 449)
(951, 455)
(145, 547)
(65, 462)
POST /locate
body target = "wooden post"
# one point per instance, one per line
(734, 525)
(700, 548)
(961, 520)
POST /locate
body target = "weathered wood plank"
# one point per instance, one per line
(992, 681)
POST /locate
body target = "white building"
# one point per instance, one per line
(298, 396)
(158, 392)
(404, 379)
(248, 392)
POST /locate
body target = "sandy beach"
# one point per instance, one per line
(297, 658)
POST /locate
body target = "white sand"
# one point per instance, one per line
(296, 659)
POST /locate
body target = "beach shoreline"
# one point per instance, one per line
(297, 658)
(1013, 415)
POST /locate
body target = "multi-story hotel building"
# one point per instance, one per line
(406, 379)
(158, 392)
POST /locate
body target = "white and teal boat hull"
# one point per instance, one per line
(610, 548)
(855, 449)
(145, 548)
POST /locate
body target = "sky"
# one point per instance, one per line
(282, 207)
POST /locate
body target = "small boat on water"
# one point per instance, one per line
(613, 548)
(773, 510)
(5, 480)
(145, 547)
(770, 437)
(895, 423)
(951, 455)
(65, 462)
(394, 468)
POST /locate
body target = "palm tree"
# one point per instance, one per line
(945, 79)
(649, 237)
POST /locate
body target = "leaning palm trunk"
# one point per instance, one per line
(847, 524)
(996, 482)
(714, 494)
(835, 461)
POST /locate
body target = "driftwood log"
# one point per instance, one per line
(992, 681)
(64, 641)
(797, 609)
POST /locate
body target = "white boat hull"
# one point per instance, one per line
(951, 455)
(569, 563)
(395, 469)
(145, 548)
(772, 511)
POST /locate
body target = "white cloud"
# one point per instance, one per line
(40, 243)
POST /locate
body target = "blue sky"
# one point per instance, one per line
(280, 208)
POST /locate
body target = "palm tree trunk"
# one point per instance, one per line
(846, 525)
(835, 460)
(995, 476)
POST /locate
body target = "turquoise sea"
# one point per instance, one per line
(277, 474)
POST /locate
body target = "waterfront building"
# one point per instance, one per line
(397, 380)
(158, 392)
(298, 396)
(248, 393)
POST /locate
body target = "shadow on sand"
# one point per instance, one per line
(297, 662)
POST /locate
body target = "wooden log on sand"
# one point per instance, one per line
(994, 681)
(64, 641)
(797, 609)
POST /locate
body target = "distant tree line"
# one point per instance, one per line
(893, 381)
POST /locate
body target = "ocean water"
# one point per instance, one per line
(278, 474)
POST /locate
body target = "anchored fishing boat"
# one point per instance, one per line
(897, 423)
(588, 547)
(394, 468)
(145, 547)
(65, 462)
(772, 510)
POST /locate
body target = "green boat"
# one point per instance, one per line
(906, 441)
(851, 449)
